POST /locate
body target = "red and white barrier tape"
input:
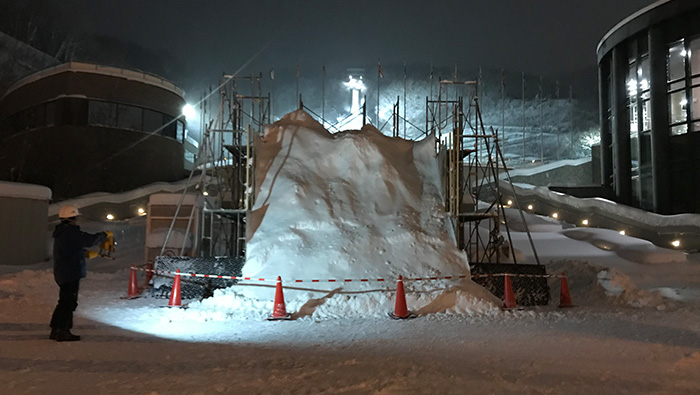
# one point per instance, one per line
(347, 280)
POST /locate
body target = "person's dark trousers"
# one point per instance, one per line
(67, 303)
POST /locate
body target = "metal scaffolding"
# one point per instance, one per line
(241, 115)
(225, 167)
(470, 160)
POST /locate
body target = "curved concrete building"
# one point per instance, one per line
(649, 77)
(79, 128)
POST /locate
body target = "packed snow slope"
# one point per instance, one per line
(349, 204)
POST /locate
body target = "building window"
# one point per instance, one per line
(74, 111)
(180, 131)
(51, 113)
(678, 106)
(638, 109)
(102, 113)
(129, 117)
(683, 68)
(152, 121)
(170, 127)
(676, 65)
(693, 57)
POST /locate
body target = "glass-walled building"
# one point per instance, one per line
(649, 76)
(79, 128)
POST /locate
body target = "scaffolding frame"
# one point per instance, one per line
(471, 161)
(223, 223)
(225, 167)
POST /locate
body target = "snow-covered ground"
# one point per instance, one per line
(635, 328)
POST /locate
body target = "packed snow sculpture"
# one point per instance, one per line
(354, 204)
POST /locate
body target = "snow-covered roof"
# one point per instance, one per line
(24, 191)
(78, 67)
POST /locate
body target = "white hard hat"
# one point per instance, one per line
(68, 212)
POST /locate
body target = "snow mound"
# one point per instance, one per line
(625, 291)
(351, 205)
(626, 247)
(582, 279)
(592, 285)
(336, 302)
(354, 204)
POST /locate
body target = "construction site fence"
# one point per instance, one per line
(168, 273)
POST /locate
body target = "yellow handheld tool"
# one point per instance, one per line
(106, 248)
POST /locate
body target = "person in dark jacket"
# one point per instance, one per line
(68, 268)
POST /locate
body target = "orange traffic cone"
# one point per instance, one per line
(400, 310)
(175, 293)
(133, 291)
(508, 296)
(564, 297)
(279, 311)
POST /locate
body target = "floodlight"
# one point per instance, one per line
(188, 111)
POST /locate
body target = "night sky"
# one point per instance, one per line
(537, 36)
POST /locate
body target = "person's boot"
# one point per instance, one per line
(64, 335)
(52, 336)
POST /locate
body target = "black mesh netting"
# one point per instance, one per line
(528, 291)
(195, 287)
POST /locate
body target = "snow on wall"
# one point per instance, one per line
(117, 198)
(24, 191)
(354, 204)
(608, 206)
(629, 248)
(530, 171)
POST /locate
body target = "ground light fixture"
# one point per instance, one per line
(205, 193)
(555, 215)
(141, 211)
(584, 222)
(622, 232)
(510, 202)
(529, 207)
(110, 217)
(676, 243)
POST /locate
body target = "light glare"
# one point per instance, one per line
(188, 111)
